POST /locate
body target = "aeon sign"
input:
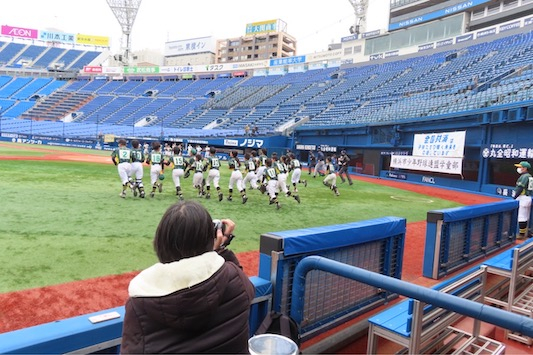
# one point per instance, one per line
(19, 32)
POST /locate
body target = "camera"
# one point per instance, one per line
(217, 224)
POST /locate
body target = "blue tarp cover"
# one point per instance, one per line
(468, 212)
(340, 235)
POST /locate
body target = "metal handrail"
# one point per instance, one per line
(485, 313)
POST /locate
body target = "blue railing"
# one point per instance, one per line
(492, 315)
(455, 237)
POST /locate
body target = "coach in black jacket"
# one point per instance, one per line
(197, 299)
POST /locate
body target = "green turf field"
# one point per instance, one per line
(64, 221)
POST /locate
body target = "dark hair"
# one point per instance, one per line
(122, 142)
(156, 145)
(185, 230)
(212, 150)
(135, 143)
(268, 162)
(177, 149)
(247, 156)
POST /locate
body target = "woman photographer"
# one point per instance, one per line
(197, 298)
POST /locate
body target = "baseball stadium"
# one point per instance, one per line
(402, 223)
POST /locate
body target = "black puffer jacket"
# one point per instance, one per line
(195, 305)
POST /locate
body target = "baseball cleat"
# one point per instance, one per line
(160, 187)
(208, 196)
(297, 198)
(244, 199)
(152, 194)
(142, 194)
(230, 198)
(305, 183)
(220, 197)
(123, 194)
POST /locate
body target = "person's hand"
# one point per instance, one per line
(222, 238)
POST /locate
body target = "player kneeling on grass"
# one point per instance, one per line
(156, 161)
(137, 171)
(121, 157)
(331, 176)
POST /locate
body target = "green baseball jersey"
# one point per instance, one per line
(155, 157)
(137, 155)
(123, 154)
(262, 159)
(179, 162)
(249, 165)
(271, 173)
(525, 181)
(199, 166)
(295, 164)
(233, 164)
(213, 162)
(280, 167)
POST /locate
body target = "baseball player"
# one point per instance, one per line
(249, 168)
(295, 167)
(522, 193)
(331, 176)
(213, 175)
(156, 161)
(262, 165)
(236, 176)
(282, 170)
(121, 157)
(271, 179)
(198, 177)
(137, 170)
(343, 161)
(179, 165)
(320, 165)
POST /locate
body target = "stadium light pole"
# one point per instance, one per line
(359, 7)
(125, 11)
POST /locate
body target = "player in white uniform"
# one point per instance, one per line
(522, 193)
(121, 157)
(156, 161)
(213, 175)
(295, 167)
(179, 165)
(271, 180)
(331, 176)
(236, 176)
(249, 168)
(283, 171)
(198, 178)
(137, 170)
